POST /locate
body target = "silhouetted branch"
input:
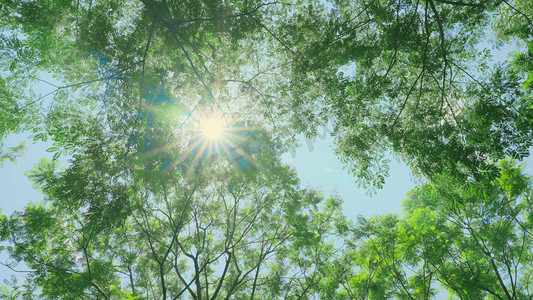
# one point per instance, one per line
(478, 5)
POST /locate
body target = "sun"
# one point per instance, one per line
(213, 128)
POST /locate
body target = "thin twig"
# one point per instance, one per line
(519, 12)
(478, 5)
(144, 62)
(244, 14)
(170, 27)
(81, 83)
(406, 98)
(15, 270)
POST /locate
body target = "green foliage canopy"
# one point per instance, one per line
(108, 230)
(419, 84)
(144, 211)
(473, 239)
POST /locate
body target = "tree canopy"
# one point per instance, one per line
(471, 238)
(151, 208)
(421, 80)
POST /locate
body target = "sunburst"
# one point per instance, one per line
(213, 129)
(217, 138)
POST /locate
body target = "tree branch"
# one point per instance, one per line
(478, 5)
(144, 61)
(519, 12)
(170, 27)
(243, 14)
(15, 270)
(406, 98)
(82, 83)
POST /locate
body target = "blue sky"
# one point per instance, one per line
(15, 188)
(318, 167)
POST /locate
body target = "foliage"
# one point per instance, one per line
(11, 118)
(111, 228)
(406, 75)
(474, 240)
(148, 209)
(422, 87)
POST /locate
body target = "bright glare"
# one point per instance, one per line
(212, 129)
